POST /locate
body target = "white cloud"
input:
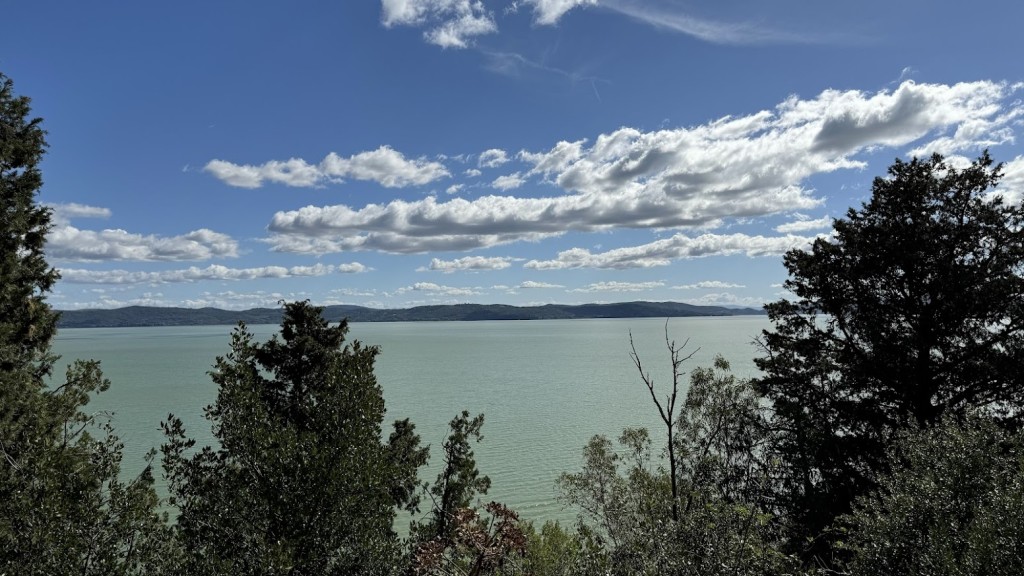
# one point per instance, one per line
(668, 16)
(549, 11)
(385, 165)
(695, 177)
(804, 225)
(619, 287)
(228, 300)
(437, 289)
(530, 285)
(1011, 187)
(728, 299)
(469, 263)
(492, 158)
(449, 23)
(62, 213)
(454, 188)
(352, 268)
(708, 284)
(352, 292)
(455, 23)
(508, 181)
(663, 252)
(472, 173)
(194, 274)
(70, 243)
(556, 160)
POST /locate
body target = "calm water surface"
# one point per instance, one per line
(545, 386)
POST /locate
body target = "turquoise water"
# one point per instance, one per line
(545, 386)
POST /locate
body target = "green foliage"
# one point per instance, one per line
(953, 505)
(459, 481)
(63, 507)
(27, 324)
(405, 458)
(553, 551)
(722, 432)
(301, 482)
(914, 310)
(627, 524)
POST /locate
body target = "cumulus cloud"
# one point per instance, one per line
(468, 263)
(530, 285)
(437, 289)
(708, 284)
(195, 274)
(619, 287)
(492, 158)
(694, 177)
(70, 243)
(1011, 187)
(663, 252)
(448, 23)
(454, 188)
(805, 224)
(472, 173)
(508, 181)
(385, 165)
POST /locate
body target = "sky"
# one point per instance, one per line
(394, 153)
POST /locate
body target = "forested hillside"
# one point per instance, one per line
(152, 316)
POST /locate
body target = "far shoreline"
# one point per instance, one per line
(146, 316)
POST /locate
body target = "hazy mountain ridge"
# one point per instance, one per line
(157, 316)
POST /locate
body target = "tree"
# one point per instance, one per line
(719, 524)
(952, 504)
(666, 411)
(914, 310)
(27, 324)
(301, 482)
(456, 538)
(63, 507)
(459, 481)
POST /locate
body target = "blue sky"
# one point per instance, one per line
(402, 152)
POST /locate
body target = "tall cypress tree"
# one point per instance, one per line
(63, 507)
(27, 324)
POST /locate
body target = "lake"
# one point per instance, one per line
(545, 386)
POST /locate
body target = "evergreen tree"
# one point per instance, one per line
(27, 324)
(301, 482)
(912, 312)
(459, 482)
(63, 507)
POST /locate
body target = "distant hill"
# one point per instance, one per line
(152, 316)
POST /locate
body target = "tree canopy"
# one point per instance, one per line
(912, 311)
(301, 482)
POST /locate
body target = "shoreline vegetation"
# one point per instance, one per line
(139, 316)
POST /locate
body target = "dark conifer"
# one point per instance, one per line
(913, 311)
